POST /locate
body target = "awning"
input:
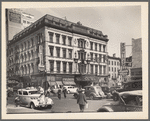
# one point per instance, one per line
(69, 83)
(51, 83)
(59, 82)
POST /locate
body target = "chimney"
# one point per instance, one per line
(114, 55)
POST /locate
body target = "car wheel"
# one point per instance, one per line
(49, 106)
(32, 106)
(115, 97)
(91, 97)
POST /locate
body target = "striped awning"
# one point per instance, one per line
(59, 82)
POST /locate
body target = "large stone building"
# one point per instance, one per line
(53, 51)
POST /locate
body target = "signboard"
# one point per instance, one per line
(68, 79)
(15, 17)
(123, 72)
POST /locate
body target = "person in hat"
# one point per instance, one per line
(64, 91)
(59, 93)
(81, 100)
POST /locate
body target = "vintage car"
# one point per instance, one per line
(129, 101)
(92, 92)
(70, 89)
(128, 86)
(30, 98)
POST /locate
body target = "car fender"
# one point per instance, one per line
(107, 109)
(92, 93)
(35, 102)
(49, 101)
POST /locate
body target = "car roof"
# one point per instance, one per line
(27, 89)
(135, 92)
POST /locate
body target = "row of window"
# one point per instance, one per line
(113, 63)
(101, 58)
(64, 39)
(58, 50)
(113, 69)
(96, 46)
(27, 22)
(23, 57)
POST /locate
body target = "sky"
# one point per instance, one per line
(120, 23)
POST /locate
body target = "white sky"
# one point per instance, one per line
(120, 23)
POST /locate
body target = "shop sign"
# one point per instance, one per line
(68, 79)
(123, 72)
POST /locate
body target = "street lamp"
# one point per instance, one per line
(76, 60)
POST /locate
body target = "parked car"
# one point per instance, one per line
(129, 86)
(30, 98)
(92, 92)
(128, 101)
(70, 89)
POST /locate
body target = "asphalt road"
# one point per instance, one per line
(68, 105)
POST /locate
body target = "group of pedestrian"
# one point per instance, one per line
(64, 92)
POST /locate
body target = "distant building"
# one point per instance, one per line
(136, 70)
(53, 51)
(113, 68)
(16, 20)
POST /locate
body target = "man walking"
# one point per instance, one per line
(81, 100)
(64, 91)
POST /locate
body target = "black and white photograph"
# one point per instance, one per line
(74, 60)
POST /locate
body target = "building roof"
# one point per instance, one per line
(61, 24)
(116, 58)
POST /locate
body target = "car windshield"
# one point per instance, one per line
(98, 88)
(33, 92)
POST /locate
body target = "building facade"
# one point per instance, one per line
(53, 51)
(114, 66)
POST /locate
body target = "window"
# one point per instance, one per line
(24, 46)
(112, 62)
(70, 53)
(96, 57)
(64, 67)
(104, 48)
(58, 51)
(99, 47)
(51, 66)
(28, 44)
(96, 70)
(95, 46)
(24, 21)
(64, 53)
(100, 57)
(58, 66)
(109, 62)
(109, 68)
(104, 58)
(100, 69)
(51, 36)
(118, 63)
(57, 38)
(70, 40)
(28, 22)
(79, 56)
(32, 42)
(51, 48)
(64, 40)
(115, 62)
(104, 69)
(112, 68)
(91, 45)
(25, 93)
(32, 55)
(91, 69)
(115, 69)
(91, 56)
(70, 67)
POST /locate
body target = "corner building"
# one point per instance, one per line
(53, 51)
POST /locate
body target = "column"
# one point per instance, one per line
(67, 67)
(98, 73)
(55, 54)
(93, 68)
(61, 52)
(102, 70)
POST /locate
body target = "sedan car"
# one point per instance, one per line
(70, 89)
(92, 92)
(129, 101)
(30, 98)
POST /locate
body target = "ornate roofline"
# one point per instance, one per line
(61, 24)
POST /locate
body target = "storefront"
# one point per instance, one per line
(84, 80)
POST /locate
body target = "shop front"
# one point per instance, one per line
(85, 80)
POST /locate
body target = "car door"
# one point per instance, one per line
(24, 98)
(20, 96)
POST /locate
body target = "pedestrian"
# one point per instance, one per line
(59, 94)
(64, 91)
(48, 92)
(81, 100)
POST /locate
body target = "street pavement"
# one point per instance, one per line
(65, 105)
